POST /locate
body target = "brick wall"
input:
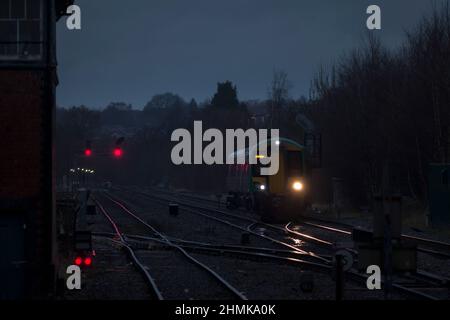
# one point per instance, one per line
(22, 157)
(21, 94)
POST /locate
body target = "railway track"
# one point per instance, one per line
(154, 290)
(429, 246)
(428, 281)
(432, 247)
(124, 241)
(242, 227)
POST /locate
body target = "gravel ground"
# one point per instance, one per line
(111, 277)
(434, 265)
(426, 262)
(169, 268)
(283, 282)
(272, 281)
(179, 279)
(189, 226)
(207, 230)
(365, 222)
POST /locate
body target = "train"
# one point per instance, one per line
(278, 198)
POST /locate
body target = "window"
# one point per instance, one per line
(21, 29)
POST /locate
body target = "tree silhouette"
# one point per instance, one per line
(165, 101)
(226, 96)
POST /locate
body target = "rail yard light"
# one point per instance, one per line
(297, 186)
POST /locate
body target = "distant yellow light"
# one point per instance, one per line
(260, 156)
(297, 186)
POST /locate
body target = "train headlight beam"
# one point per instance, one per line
(297, 186)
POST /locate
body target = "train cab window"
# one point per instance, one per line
(21, 29)
(294, 163)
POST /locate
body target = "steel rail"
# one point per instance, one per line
(286, 229)
(237, 250)
(440, 254)
(353, 273)
(166, 240)
(320, 241)
(156, 293)
(431, 242)
(189, 208)
(425, 241)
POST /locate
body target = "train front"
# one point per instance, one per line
(284, 196)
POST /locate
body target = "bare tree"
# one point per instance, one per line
(278, 95)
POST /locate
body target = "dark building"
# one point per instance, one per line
(27, 106)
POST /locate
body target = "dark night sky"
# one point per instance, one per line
(130, 50)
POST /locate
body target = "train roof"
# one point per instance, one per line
(282, 141)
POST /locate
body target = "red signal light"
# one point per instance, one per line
(88, 152)
(118, 152)
(88, 261)
(78, 261)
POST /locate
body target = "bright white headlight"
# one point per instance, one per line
(297, 186)
(262, 187)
